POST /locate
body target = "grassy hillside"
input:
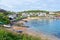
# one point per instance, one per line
(33, 11)
(6, 35)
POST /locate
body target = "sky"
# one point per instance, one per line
(21, 5)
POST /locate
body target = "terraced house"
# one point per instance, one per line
(34, 13)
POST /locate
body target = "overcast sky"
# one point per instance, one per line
(20, 5)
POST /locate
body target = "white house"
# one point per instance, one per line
(41, 14)
(33, 14)
(24, 14)
(52, 13)
(12, 17)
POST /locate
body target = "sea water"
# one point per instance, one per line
(47, 26)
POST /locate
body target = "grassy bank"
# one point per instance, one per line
(8, 35)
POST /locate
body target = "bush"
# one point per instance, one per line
(4, 19)
(6, 35)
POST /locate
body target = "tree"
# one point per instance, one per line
(4, 19)
(8, 13)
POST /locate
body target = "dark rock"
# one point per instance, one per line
(2, 10)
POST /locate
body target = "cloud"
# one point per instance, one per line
(17, 5)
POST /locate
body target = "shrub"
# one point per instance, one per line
(6, 35)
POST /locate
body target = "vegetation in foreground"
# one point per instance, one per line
(8, 35)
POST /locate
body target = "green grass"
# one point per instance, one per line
(8, 35)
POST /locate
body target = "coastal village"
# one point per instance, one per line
(25, 15)
(29, 19)
(33, 14)
(17, 20)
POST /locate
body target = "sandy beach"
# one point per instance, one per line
(31, 18)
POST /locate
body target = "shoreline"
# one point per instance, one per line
(34, 33)
(40, 34)
(31, 18)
